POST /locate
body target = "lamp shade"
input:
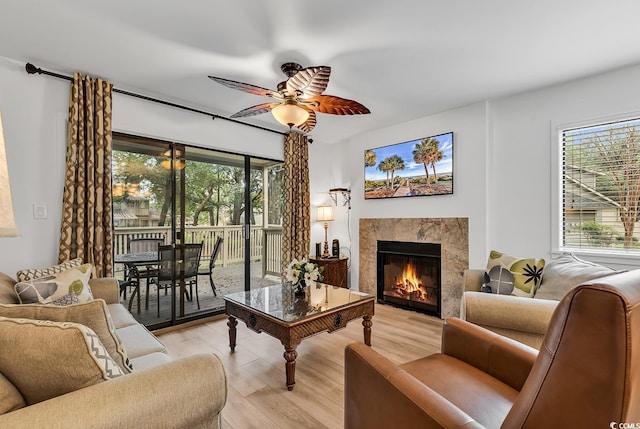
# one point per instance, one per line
(290, 114)
(325, 213)
(7, 222)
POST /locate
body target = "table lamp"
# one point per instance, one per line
(325, 214)
(7, 222)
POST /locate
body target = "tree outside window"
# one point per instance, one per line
(601, 186)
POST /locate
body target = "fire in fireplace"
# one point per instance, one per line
(409, 275)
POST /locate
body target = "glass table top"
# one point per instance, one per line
(280, 302)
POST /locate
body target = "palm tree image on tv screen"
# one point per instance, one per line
(418, 167)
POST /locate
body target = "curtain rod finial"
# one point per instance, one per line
(31, 69)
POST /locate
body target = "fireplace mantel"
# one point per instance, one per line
(451, 233)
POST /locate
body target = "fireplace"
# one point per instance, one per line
(451, 233)
(409, 275)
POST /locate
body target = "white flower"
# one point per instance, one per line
(302, 270)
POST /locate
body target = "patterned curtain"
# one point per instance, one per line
(296, 223)
(87, 225)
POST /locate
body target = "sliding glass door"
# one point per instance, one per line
(225, 205)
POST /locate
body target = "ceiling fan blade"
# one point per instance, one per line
(245, 87)
(310, 123)
(335, 105)
(309, 82)
(255, 110)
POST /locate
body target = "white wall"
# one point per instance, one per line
(502, 163)
(34, 112)
(143, 118)
(519, 198)
(326, 172)
(469, 195)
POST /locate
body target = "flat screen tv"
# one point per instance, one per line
(419, 167)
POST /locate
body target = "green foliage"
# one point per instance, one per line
(599, 235)
(369, 158)
(211, 190)
(428, 153)
(392, 164)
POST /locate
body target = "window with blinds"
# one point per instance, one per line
(601, 187)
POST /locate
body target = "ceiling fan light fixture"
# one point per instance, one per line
(289, 113)
(300, 97)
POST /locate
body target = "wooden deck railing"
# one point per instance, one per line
(232, 251)
(272, 251)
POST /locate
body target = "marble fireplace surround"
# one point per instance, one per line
(451, 233)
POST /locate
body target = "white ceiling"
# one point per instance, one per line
(403, 59)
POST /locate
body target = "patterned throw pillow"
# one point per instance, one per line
(34, 273)
(93, 314)
(507, 275)
(68, 299)
(45, 359)
(46, 290)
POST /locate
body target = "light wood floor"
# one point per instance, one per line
(257, 395)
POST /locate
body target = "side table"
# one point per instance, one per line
(335, 270)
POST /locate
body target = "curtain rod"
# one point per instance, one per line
(31, 69)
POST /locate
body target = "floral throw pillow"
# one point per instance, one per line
(508, 275)
(55, 288)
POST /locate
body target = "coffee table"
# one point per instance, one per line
(289, 318)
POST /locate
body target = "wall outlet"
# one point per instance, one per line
(39, 211)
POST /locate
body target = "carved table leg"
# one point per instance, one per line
(367, 323)
(232, 323)
(290, 355)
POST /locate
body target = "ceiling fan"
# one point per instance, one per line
(298, 98)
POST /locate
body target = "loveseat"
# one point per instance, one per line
(138, 386)
(526, 319)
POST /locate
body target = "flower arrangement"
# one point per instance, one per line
(300, 270)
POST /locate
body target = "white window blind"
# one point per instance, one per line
(601, 187)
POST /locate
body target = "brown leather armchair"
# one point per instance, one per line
(586, 375)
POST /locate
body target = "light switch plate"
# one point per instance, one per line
(39, 211)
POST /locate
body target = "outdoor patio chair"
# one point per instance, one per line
(140, 245)
(208, 271)
(147, 244)
(191, 260)
(131, 280)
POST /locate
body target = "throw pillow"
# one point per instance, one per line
(93, 314)
(566, 272)
(47, 289)
(34, 273)
(7, 292)
(10, 398)
(68, 299)
(508, 275)
(45, 359)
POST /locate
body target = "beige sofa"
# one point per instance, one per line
(521, 318)
(158, 392)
